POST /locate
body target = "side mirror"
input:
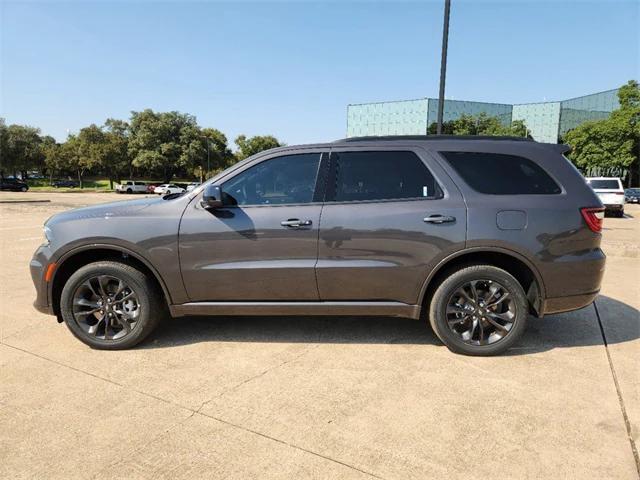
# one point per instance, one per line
(212, 197)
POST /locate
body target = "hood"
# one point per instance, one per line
(105, 210)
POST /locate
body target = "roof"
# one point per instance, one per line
(430, 138)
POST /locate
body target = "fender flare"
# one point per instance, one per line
(481, 249)
(107, 246)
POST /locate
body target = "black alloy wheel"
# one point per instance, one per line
(479, 310)
(111, 305)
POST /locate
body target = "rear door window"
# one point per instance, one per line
(500, 174)
(383, 175)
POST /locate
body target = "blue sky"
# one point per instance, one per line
(290, 68)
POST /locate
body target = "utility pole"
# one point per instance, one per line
(208, 158)
(443, 63)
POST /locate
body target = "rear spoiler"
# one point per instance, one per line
(561, 148)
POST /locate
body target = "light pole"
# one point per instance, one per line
(206, 139)
(443, 63)
(208, 157)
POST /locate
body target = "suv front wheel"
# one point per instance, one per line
(479, 310)
(111, 305)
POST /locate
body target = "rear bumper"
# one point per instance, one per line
(573, 281)
(614, 207)
(568, 304)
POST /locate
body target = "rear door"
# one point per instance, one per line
(390, 216)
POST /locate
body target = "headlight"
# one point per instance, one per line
(47, 235)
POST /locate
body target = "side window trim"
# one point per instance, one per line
(332, 178)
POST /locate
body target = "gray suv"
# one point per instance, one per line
(474, 234)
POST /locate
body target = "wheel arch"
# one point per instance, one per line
(514, 263)
(77, 258)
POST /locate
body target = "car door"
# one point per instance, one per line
(390, 216)
(262, 245)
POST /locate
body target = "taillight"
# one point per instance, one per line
(594, 217)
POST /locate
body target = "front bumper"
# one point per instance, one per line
(37, 267)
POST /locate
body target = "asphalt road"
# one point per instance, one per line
(316, 397)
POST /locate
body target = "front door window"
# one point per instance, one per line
(285, 180)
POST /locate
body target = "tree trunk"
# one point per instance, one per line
(51, 172)
(80, 177)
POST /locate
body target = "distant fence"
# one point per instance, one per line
(605, 172)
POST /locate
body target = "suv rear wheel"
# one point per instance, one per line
(111, 305)
(479, 310)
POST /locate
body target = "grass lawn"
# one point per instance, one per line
(89, 185)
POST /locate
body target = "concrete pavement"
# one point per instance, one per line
(316, 397)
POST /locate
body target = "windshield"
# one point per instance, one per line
(605, 184)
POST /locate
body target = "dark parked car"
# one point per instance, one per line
(632, 195)
(65, 184)
(13, 185)
(474, 234)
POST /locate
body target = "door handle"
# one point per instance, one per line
(295, 223)
(439, 219)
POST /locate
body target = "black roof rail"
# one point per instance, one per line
(433, 137)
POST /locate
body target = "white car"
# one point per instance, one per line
(610, 192)
(167, 188)
(193, 185)
(131, 187)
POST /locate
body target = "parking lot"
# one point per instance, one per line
(316, 397)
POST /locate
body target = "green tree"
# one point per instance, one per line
(219, 155)
(92, 152)
(57, 158)
(164, 142)
(116, 159)
(76, 156)
(251, 146)
(21, 150)
(481, 124)
(611, 143)
(4, 138)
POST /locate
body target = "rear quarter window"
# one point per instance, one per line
(500, 174)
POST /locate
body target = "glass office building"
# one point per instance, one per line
(545, 121)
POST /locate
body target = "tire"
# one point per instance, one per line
(78, 293)
(24, 189)
(129, 191)
(444, 311)
(620, 214)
